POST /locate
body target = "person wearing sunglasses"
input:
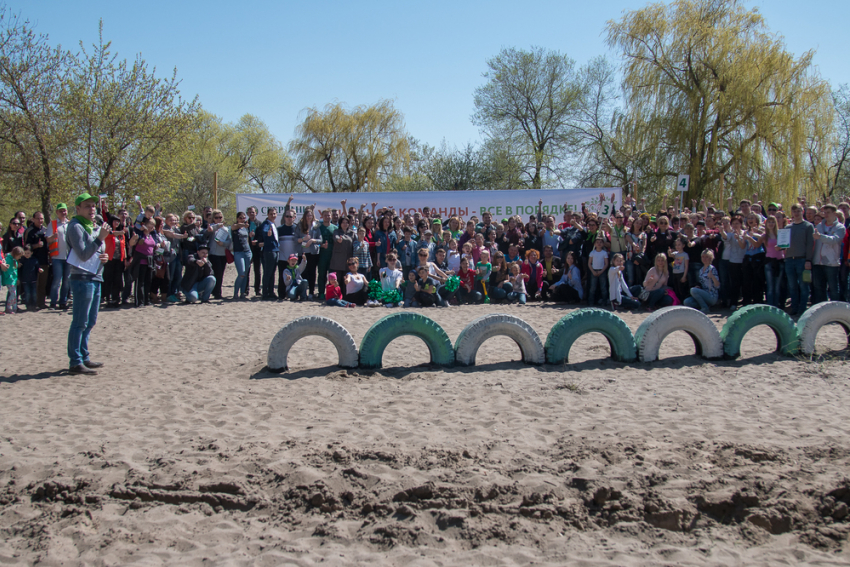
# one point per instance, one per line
(288, 246)
(219, 240)
(13, 237)
(58, 248)
(662, 240)
(343, 248)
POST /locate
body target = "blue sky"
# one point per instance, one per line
(274, 59)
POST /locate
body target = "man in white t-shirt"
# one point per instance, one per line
(58, 253)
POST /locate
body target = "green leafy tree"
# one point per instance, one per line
(128, 125)
(527, 107)
(344, 150)
(32, 85)
(721, 93)
(209, 149)
(261, 157)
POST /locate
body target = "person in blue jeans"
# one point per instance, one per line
(293, 281)
(198, 281)
(798, 259)
(84, 242)
(271, 246)
(58, 253)
(705, 295)
(240, 236)
(655, 284)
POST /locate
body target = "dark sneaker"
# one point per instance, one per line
(92, 364)
(81, 369)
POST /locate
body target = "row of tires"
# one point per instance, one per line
(643, 345)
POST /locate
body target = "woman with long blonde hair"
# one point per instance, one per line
(774, 261)
(654, 289)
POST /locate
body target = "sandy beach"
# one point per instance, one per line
(185, 450)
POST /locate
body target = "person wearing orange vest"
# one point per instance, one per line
(58, 249)
(113, 271)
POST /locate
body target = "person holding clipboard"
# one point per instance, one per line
(86, 258)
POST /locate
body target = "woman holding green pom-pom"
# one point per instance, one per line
(447, 290)
(391, 279)
(433, 271)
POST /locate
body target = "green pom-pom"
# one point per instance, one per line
(375, 289)
(391, 296)
(452, 284)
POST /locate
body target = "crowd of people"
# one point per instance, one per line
(704, 257)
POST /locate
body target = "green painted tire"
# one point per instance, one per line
(590, 320)
(740, 322)
(396, 325)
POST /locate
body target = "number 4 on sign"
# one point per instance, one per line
(683, 182)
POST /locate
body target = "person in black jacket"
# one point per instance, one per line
(198, 281)
(270, 245)
(662, 240)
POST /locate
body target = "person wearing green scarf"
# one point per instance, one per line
(83, 243)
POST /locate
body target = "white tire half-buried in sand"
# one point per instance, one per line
(385, 330)
(816, 317)
(668, 320)
(309, 326)
(743, 320)
(590, 320)
(493, 325)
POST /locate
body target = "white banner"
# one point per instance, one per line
(445, 204)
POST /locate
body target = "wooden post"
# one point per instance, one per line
(215, 190)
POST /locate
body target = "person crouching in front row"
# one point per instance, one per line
(198, 281)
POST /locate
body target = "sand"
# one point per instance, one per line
(184, 450)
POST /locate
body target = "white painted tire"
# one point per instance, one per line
(498, 324)
(816, 317)
(667, 320)
(308, 326)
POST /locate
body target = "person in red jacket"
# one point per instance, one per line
(113, 271)
(333, 293)
(534, 269)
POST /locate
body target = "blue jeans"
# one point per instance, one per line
(269, 270)
(774, 272)
(500, 293)
(798, 290)
(464, 296)
(59, 290)
(824, 277)
(242, 261)
(175, 270)
(630, 272)
(700, 299)
(600, 283)
(84, 316)
(517, 296)
(654, 296)
(725, 279)
(297, 291)
(629, 303)
(201, 290)
(30, 293)
(337, 303)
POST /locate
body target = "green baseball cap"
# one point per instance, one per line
(61, 206)
(84, 197)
